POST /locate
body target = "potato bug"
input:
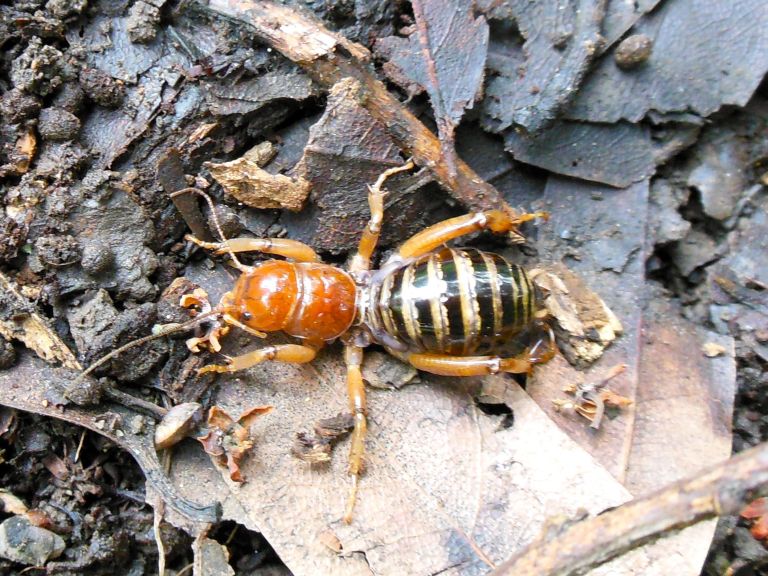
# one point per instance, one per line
(444, 310)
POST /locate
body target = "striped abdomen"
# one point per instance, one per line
(457, 302)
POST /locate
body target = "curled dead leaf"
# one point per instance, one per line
(316, 447)
(246, 180)
(12, 504)
(592, 398)
(585, 326)
(24, 152)
(228, 440)
(33, 330)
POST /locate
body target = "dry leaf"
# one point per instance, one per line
(446, 55)
(245, 180)
(229, 440)
(25, 325)
(584, 323)
(12, 504)
(682, 402)
(211, 558)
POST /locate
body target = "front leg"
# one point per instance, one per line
(292, 353)
(280, 246)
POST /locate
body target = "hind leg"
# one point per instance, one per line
(445, 365)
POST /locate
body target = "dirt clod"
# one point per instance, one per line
(143, 19)
(58, 124)
(17, 105)
(102, 88)
(57, 250)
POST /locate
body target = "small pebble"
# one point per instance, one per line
(24, 543)
(633, 51)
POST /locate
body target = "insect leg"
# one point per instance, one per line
(370, 237)
(446, 365)
(293, 353)
(496, 221)
(280, 246)
(353, 357)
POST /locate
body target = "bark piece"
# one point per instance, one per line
(328, 58)
(346, 152)
(621, 15)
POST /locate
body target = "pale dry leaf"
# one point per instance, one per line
(27, 326)
(12, 504)
(586, 325)
(445, 485)
(246, 180)
(211, 558)
(679, 421)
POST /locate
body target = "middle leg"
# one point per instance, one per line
(353, 357)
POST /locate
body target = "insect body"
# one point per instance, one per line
(445, 311)
(456, 302)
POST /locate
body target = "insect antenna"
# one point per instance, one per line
(169, 329)
(239, 265)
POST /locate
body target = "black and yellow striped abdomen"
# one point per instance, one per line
(457, 302)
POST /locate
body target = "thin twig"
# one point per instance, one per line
(580, 547)
(328, 58)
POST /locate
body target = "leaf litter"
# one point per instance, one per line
(407, 509)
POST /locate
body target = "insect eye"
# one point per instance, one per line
(246, 316)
